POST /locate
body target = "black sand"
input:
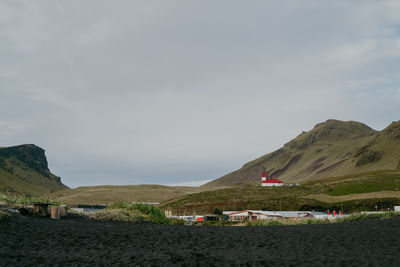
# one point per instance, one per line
(76, 241)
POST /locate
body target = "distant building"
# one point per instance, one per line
(257, 215)
(270, 182)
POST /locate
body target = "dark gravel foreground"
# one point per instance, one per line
(27, 241)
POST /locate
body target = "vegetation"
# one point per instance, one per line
(361, 216)
(265, 223)
(369, 157)
(131, 212)
(20, 199)
(112, 193)
(361, 183)
(286, 222)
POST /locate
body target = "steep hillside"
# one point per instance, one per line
(332, 148)
(24, 170)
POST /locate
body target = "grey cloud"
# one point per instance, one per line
(173, 91)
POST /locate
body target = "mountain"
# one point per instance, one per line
(24, 170)
(331, 148)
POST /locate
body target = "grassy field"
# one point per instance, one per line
(363, 183)
(130, 193)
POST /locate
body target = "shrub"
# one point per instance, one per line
(369, 157)
(175, 221)
(19, 199)
(265, 223)
(151, 213)
(361, 216)
(117, 215)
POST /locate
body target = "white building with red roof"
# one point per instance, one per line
(268, 215)
(270, 182)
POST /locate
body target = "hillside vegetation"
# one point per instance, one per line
(111, 193)
(24, 171)
(378, 188)
(332, 148)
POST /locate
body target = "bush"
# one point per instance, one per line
(175, 221)
(18, 199)
(265, 223)
(361, 216)
(117, 215)
(151, 213)
(369, 157)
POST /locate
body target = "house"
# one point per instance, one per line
(255, 215)
(269, 182)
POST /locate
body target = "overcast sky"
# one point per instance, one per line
(168, 92)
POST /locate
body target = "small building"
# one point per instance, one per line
(270, 181)
(250, 215)
(257, 215)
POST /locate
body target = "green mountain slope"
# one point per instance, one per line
(332, 148)
(24, 170)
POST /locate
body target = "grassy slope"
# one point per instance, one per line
(23, 170)
(109, 193)
(369, 182)
(332, 148)
(369, 189)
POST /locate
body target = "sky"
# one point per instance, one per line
(183, 92)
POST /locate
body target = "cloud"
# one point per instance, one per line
(170, 92)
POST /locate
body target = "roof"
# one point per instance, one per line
(284, 214)
(270, 181)
(259, 212)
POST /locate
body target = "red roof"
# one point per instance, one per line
(272, 181)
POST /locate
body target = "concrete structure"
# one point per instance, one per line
(396, 208)
(269, 182)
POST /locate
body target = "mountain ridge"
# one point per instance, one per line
(331, 148)
(24, 170)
